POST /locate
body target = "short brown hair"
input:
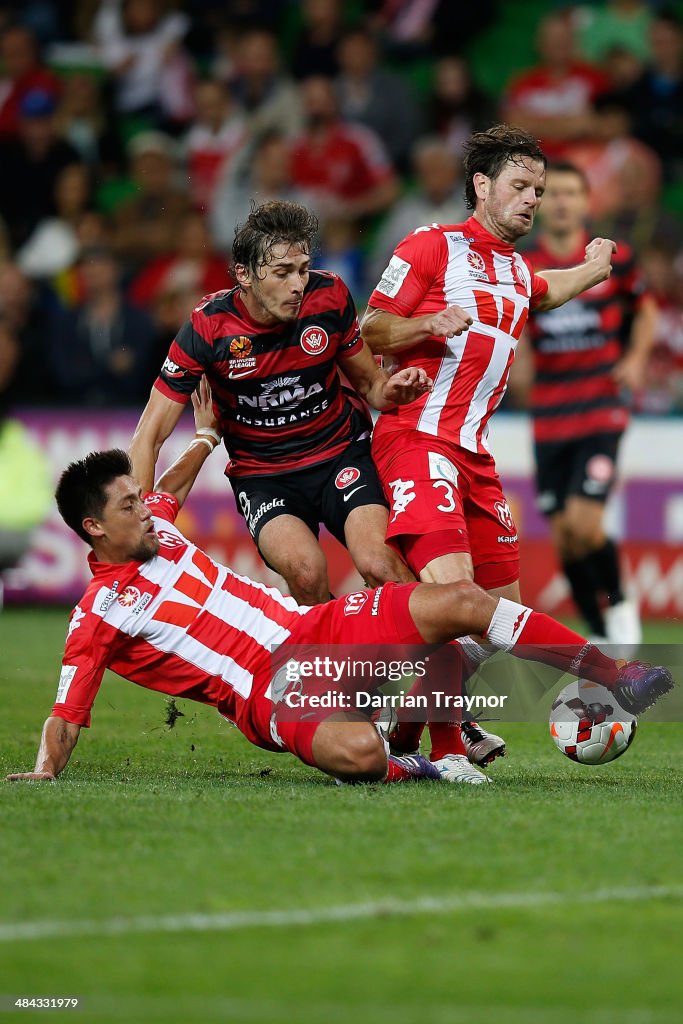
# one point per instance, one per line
(488, 152)
(271, 224)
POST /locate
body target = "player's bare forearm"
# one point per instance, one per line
(158, 419)
(56, 745)
(180, 477)
(386, 332)
(566, 284)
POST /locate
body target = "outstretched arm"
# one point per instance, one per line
(56, 744)
(179, 478)
(564, 285)
(158, 419)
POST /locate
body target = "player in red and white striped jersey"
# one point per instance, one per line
(164, 615)
(454, 299)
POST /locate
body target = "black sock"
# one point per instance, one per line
(605, 564)
(584, 587)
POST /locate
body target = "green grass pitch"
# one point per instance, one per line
(472, 903)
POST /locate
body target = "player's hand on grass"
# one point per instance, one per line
(450, 321)
(600, 251)
(202, 400)
(407, 385)
(30, 777)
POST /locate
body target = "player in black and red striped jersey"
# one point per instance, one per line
(272, 349)
(585, 354)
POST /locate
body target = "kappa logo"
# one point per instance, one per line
(172, 369)
(314, 340)
(129, 597)
(476, 261)
(353, 603)
(75, 620)
(402, 494)
(504, 513)
(346, 477)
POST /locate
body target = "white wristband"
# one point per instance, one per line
(210, 432)
(201, 440)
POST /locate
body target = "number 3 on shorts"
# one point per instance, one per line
(449, 499)
(445, 475)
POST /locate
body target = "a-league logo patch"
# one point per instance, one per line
(314, 340)
(346, 477)
(476, 261)
(129, 597)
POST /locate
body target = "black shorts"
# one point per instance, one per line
(585, 467)
(325, 493)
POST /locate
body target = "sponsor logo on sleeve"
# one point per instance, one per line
(171, 369)
(314, 340)
(65, 679)
(394, 276)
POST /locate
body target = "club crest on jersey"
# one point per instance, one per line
(242, 362)
(518, 276)
(129, 597)
(353, 603)
(346, 477)
(170, 540)
(502, 510)
(477, 265)
(314, 340)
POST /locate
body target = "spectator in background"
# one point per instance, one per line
(554, 100)
(54, 244)
(437, 199)
(216, 133)
(458, 106)
(22, 73)
(147, 225)
(30, 164)
(655, 100)
(661, 389)
(193, 267)
(379, 99)
(269, 98)
(84, 119)
(419, 28)
(612, 159)
(139, 42)
(315, 48)
(26, 317)
(100, 352)
(344, 167)
(619, 23)
(260, 171)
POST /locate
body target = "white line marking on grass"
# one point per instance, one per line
(239, 920)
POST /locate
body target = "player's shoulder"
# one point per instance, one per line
(216, 303)
(428, 237)
(325, 284)
(162, 505)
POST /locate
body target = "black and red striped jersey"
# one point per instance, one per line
(576, 347)
(277, 390)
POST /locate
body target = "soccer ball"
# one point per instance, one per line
(588, 725)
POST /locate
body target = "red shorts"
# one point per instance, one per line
(445, 499)
(368, 617)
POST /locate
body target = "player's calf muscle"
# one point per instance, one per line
(449, 610)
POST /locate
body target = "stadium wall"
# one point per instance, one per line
(646, 513)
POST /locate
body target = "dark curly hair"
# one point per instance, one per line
(269, 225)
(488, 152)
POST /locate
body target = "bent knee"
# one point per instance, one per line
(362, 758)
(383, 566)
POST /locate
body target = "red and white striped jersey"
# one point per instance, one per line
(178, 623)
(460, 264)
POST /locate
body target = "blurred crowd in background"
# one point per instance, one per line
(134, 135)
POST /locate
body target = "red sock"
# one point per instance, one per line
(446, 739)
(405, 737)
(534, 636)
